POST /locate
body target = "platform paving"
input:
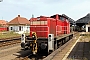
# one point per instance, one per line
(78, 49)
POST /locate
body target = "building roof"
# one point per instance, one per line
(88, 23)
(85, 19)
(19, 20)
(3, 22)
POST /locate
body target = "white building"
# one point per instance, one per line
(19, 25)
(87, 28)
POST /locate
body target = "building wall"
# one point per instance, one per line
(14, 28)
(19, 28)
(26, 28)
(87, 27)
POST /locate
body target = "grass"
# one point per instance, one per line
(77, 36)
(8, 34)
(27, 34)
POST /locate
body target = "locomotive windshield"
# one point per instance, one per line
(62, 18)
(38, 23)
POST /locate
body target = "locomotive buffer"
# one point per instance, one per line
(32, 45)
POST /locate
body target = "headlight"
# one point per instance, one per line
(43, 46)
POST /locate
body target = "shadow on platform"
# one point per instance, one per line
(24, 53)
(81, 51)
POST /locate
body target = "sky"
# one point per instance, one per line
(74, 9)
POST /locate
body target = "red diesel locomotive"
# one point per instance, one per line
(43, 26)
(44, 32)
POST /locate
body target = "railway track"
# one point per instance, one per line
(9, 41)
(31, 57)
(16, 40)
(37, 57)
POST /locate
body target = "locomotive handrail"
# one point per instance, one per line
(34, 36)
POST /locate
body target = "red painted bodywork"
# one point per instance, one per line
(3, 29)
(49, 25)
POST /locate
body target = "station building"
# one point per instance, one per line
(84, 23)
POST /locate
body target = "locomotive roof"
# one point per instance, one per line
(65, 16)
(43, 17)
(59, 16)
(69, 19)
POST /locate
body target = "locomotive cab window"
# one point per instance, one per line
(62, 18)
(38, 22)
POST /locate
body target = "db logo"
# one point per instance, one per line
(1, 0)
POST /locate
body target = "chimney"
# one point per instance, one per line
(18, 15)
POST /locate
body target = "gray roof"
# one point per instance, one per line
(85, 19)
(69, 19)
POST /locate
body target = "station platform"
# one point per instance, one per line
(80, 50)
(77, 49)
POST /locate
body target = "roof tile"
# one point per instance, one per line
(19, 20)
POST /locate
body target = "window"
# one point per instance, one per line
(22, 28)
(62, 18)
(11, 28)
(39, 23)
(19, 28)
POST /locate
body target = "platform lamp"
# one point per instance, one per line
(74, 25)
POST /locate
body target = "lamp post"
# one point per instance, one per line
(74, 25)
